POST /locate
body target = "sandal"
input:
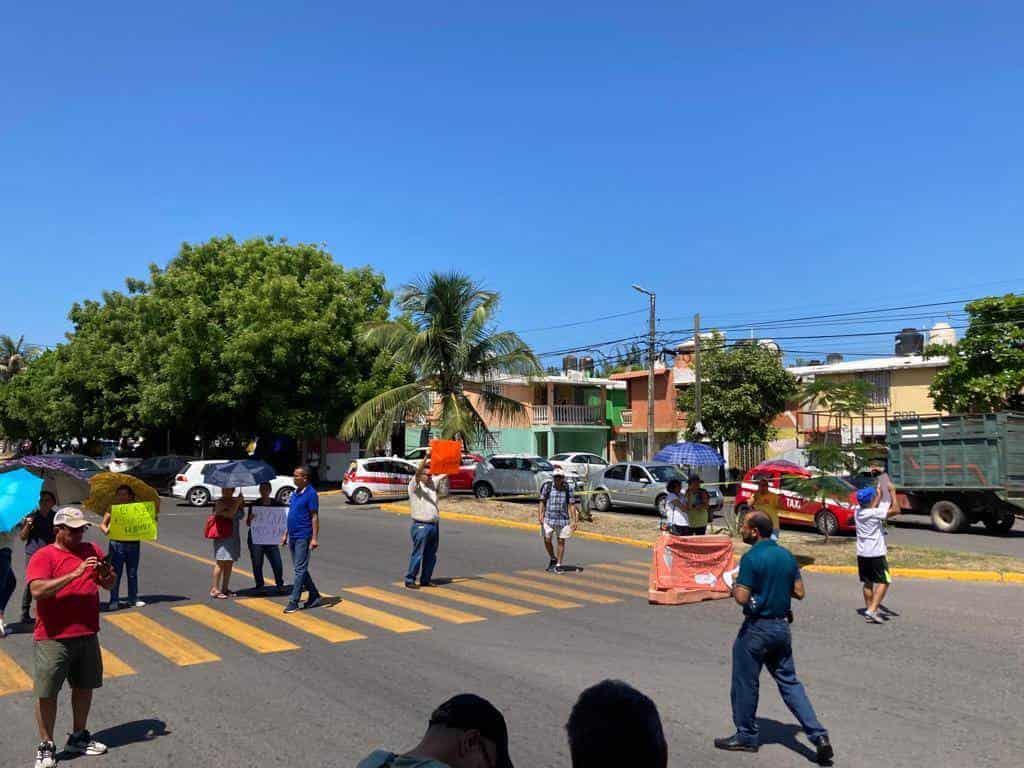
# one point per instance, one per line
(218, 595)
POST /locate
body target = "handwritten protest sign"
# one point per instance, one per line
(133, 522)
(268, 525)
(445, 456)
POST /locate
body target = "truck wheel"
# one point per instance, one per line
(826, 523)
(947, 516)
(602, 501)
(1000, 521)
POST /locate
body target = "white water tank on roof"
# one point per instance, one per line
(942, 333)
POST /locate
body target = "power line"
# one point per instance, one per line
(583, 322)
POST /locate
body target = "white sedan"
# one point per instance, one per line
(190, 485)
(581, 465)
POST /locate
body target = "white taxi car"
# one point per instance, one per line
(377, 478)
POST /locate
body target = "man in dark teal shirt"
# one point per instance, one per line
(769, 576)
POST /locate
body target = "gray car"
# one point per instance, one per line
(637, 484)
(511, 474)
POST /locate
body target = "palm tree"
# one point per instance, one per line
(446, 338)
(14, 356)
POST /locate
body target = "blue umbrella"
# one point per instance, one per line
(691, 454)
(237, 474)
(19, 495)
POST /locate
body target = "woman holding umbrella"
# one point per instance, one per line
(228, 549)
(124, 556)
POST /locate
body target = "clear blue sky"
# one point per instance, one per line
(745, 160)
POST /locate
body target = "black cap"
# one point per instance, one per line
(468, 711)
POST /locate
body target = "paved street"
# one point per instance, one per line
(237, 686)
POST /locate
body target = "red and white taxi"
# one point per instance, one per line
(830, 512)
(378, 478)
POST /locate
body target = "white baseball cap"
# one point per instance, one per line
(70, 517)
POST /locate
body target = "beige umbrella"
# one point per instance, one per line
(103, 488)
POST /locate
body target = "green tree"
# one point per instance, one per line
(743, 388)
(444, 338)
(986, 369)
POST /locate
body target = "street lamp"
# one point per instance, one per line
(650, 375)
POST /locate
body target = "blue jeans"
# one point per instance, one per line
(766, 642)
(300, 557)
(124, 555)
(8, 581)
(273, 554)
(425, 539)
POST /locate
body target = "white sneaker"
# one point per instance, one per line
(82, 743)
(140, 603)
(46, 755)
(873, 618)
(3, 628)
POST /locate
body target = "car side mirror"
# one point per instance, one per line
(645, 481)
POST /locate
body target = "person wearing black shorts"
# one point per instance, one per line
(872, 566)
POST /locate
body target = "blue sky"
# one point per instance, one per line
(749, 161)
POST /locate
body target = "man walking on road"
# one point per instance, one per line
(872, 565)
(65, 578)
(426, 522)
(769, 576)
(301, 538)
(558, 515)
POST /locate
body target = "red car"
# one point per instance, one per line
(461, 480)
(832, 514)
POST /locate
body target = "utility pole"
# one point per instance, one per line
(698, 428)
(650, 375)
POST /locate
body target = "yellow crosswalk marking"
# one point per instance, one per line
(169, 644)
(325, 630)
(518, 594)
(597, 581)
(414, 604)
(12, 678)
(113, 666)
(559, 589)
(381, 619)
(499, 606)
(620, 569)
(593, 572)
(239, 631)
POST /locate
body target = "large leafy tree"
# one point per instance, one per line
(743, 387)
(986, 369)
(444, 338)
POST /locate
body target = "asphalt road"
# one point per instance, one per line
(940, 684)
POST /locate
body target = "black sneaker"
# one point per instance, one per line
(46, 755)
(733, 744)
(825, 751)
(27, 619)
(82, 743)
(291, 608)
(552, 566)
(411, 585)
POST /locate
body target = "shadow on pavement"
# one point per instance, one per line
(774, 732)
(154, 599)
(124, 734)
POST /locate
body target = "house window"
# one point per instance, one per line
(881, 382)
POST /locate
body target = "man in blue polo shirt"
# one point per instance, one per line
(769, 576)
(301, 538)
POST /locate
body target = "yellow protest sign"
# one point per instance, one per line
(133, 522)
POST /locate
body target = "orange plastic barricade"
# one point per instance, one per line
(689, 569)
(445, 457)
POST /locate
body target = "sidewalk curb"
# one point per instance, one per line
(927, 574)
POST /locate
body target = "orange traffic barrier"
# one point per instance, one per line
(689, 569)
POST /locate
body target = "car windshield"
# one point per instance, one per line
(560, 457)
(542, 465)
(835, 486)
(79, 462)
(664, 474)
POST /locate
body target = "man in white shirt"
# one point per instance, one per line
(426, 518)
(872, 565)
(677, 522)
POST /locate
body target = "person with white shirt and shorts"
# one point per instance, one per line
(558, 516)
(872, 565)
(677, 522)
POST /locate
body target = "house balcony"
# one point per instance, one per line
(568, 415)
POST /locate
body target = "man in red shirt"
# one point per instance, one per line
(65, 578)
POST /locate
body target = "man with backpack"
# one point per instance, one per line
(558, 515)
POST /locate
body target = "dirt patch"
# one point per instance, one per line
(808, 547)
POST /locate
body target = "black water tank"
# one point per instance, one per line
(570, 363)
(909, 341)
(833, 357)
(587, 364)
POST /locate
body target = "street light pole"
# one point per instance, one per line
(650, 375)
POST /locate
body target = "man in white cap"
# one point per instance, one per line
(558, 515)
(65, 578)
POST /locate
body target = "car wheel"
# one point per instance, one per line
(659, 504)
(602, 501)
(483, 490)
(361, 496)
(198, 496)
(827, 523)
(947, 516)
(285, 495)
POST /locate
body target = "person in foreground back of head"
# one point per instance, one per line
(613, 725)
(769, 576)
(466, 731)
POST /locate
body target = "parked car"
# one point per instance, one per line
(511, 475)
(160, 471)
(190, 485)
(630, 484)
(378, 478)
(461, 480)
(830, 509)
(122, 463)
(83, 464)
(579, 464)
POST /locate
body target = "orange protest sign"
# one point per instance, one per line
(445, 457)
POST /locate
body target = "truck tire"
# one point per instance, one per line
(947, 516)
(1000, 521)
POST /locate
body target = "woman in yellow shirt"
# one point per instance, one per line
(766, 501)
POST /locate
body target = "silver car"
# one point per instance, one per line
(511, 475)
(641, 485)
